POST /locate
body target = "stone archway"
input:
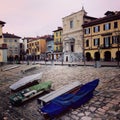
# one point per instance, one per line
(88, 56)
(97, 56)
(107, 56)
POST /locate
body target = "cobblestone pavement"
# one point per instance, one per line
(105, 105)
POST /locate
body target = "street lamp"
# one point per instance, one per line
(118, 45)
(97, 57)
(62, 54)
(83, 48)
(117, 33)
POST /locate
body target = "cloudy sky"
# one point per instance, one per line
(27, 18)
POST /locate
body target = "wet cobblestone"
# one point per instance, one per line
(105, 105)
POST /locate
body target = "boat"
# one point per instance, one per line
(62, 90)
(26, 81)
(10, 67)
(69, 100)
(28, 93)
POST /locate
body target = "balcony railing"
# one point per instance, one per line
(106, 46)
(57, 42)
(4, 46)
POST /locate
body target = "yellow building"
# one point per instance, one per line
(36, 48)
(58, 45)
(101, 38)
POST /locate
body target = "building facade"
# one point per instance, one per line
(58, 43)
(73, 35)
(22, 52)
(102, 38)
(13, 45)
(3, 46)
(36, 48)
(50, 47)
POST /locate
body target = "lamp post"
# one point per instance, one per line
(27, 56)
(117, 33)
(97, 58)
(83, 48)
(62, 54)
(118, 55)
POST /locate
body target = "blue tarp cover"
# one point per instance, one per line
(69, 100)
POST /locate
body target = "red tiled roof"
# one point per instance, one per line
(8, 35)
(59, 28)
(2, 23)
(107, 18)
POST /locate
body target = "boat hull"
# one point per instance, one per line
(70, 100)
(26, 94)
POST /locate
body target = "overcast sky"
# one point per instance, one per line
(27, 18)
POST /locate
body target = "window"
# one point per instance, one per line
(60, 48)
(114, 39)
(10, 40)
(16, 48)
(115, 24)
(60, 33)
(56, 34)
(56, 40)
(10, 47)
(87, 31)
(56, 48)
(87, 43)
(96, 41)
(5, 40)
(60, 40)
(96, 29)
(72, 48)
(71, 24)
(38, 49)
(107, 26)
(107, 42)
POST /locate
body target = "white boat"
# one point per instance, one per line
(26, 81)
(10, 67)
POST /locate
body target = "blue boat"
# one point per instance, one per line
(70, 100)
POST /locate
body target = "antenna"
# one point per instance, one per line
(82, 3)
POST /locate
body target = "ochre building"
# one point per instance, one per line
(36, 48)
(102, 38)
(58, 44)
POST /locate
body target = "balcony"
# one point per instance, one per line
(3, 46)
(106, 46)
(57, 42)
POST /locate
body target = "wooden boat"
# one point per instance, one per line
(66, 88)
(10, 67)
(26, 94)
(69, 100)
(26, 81)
